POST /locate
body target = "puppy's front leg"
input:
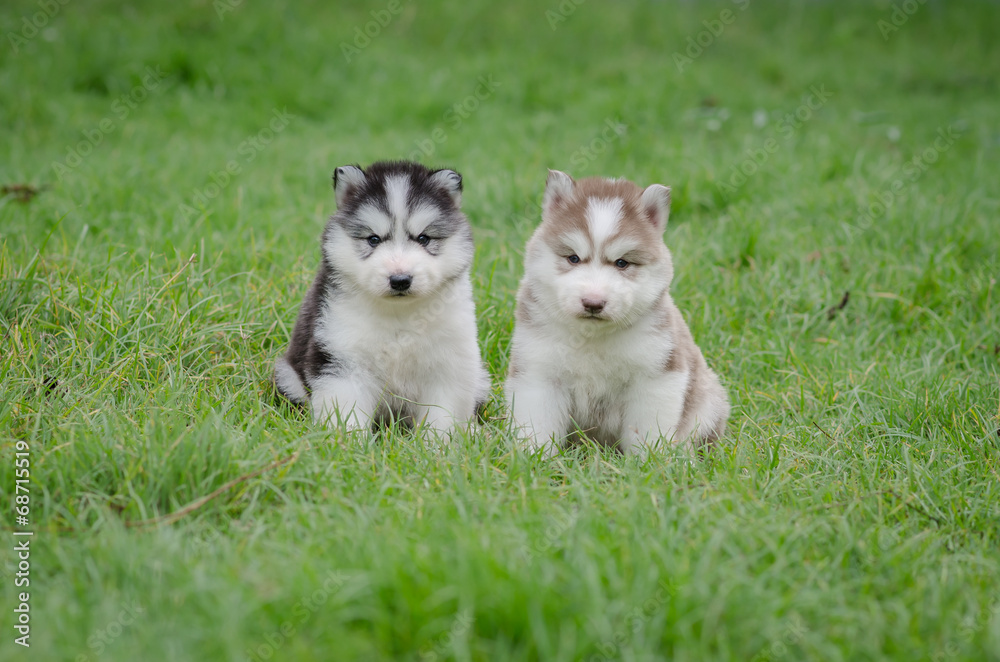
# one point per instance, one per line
(541, 413)
(652, 413)
(444, 409)
(342, 399)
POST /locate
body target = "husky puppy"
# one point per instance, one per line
(599, 346)
(388, 328)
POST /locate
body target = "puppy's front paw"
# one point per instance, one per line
(330, 417)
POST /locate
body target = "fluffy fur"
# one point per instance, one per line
(388, 328)
(599, 346)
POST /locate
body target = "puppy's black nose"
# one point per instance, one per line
(400, 282)
(593, 306)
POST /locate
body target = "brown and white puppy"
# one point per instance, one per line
(599, 346)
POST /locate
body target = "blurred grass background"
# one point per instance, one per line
(852, 512)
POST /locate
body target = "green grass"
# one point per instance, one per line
(851, 513)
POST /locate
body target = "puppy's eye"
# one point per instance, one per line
(374, 240)
(574, 259)
(423, 240)
(621, 264)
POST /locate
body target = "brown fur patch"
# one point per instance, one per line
(682, 354)
(569, 213)
(694, 396)
(631, 272)
(525, 302)
(685, 356)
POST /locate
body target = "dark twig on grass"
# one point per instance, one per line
(828, 435)
(917, 509)
(23, 193)
(198, 503)
(906, 503)
(832, 311)
(170, 518)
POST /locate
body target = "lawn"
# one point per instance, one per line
(836, 237)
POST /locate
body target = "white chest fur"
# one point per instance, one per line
(402, 345)
(599, 370)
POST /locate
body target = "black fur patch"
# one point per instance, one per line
(422, 190)
(306, 356)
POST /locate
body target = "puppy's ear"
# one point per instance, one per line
(655, 204)
(347, 180)
(559, 186)
(450, 181)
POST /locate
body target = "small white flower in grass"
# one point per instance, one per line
(893, 134)
(760, 118)
(713, 124)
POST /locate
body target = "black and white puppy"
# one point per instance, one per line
(388, 328)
